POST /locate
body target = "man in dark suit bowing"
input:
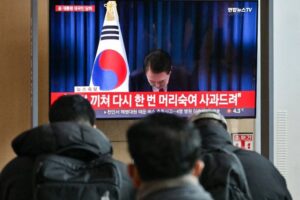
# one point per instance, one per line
(158, 74)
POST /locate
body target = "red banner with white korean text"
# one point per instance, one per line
(167, 100)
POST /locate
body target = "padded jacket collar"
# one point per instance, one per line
(54, 137)
(214, 136)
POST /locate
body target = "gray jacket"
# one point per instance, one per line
(182, 188)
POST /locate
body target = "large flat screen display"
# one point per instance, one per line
(98, 49)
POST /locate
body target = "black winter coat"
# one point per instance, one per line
(16, 177)
(264, 180)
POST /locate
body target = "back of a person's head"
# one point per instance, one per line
(72, 108)
(163, 146)
(208, 117)
(159, 61)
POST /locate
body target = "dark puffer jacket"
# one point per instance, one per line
(16, 177)
(264, 180)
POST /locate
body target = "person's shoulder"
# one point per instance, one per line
(248, 154)
(215, 157)
(127, 190)
(180, 73)
(179, 69)
(122, 167)
(119, 163)
(259, 168)
(16, 177)
(255, 161)
(17, 165)
(138, 81)
(187, 191)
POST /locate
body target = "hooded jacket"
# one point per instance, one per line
(16, 177)
(264, 180)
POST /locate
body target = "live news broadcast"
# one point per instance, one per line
(97, 46)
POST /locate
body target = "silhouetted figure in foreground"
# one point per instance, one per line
(165, 151)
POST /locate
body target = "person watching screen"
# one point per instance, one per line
(71, 134)
(264, 179)
(165, 150)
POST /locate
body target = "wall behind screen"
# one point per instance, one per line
(15, 73)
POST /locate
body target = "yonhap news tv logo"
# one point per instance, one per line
(233, 10)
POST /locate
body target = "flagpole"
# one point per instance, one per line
(34, 73)
(110, 68)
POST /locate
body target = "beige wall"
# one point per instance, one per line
(43, 61)
(116, 131)
(15, 73)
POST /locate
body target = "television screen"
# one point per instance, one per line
(100, 49)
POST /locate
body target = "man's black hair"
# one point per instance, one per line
(72, 108)
(159, 61)
(163, 146)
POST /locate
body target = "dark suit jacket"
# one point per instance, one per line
(180, 80)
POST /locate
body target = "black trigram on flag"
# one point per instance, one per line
(110, 32)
